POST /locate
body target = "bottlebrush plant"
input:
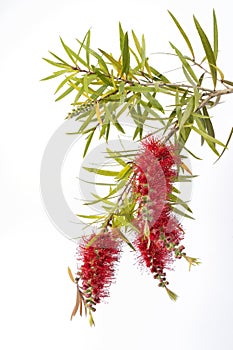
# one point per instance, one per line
(143, 204)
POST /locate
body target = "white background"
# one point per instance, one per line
(36, 295)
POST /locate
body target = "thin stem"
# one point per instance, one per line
(213, 94)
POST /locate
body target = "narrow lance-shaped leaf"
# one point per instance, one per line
(188, 111)
(58, 58)
(89, 138)
(56, 74)
(208, 123)
(68, 51)
(56, 64)
(65, 93)
(208, 51)
(101, 171)
(185, 63)
(137, 44)
(227, 143)
(88, 40)
(122, 36)
(143, 51)
(207, 137)
(65, 81)
(114, 62)
(126, 55)
(98, 114)
(183, 34)
(215, 25)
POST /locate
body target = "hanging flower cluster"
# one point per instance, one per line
(98, 255)
(159, 232)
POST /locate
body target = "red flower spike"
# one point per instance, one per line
(155, 171)
(99, 255)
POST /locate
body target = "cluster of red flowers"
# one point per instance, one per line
(158, 231)
(99, 255)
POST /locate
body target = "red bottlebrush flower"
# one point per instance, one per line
(160, 245)
(99, 255)
(155, 167)
(155, 171)
(159, 233)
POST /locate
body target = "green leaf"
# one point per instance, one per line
(124, 173)
(215, 25)
(58, 58)
(119, 127)
(137, 43)
(56, 74)
(192, 154)
(98, 92)
(178, 201)
(159, 76)
(171, 294)
(125, 239)
(227, 143)
(101, 62)
(181, 213)
(183, 34)
(102, 172)
(68, 51)
(87, 121)
(116, 157)
(187, 113)
(154, 102)
(208, 51)
(65, 93)
(138, 130)
(188, 77)
(122, 37)
(56, 64)
(80, 92)
(136, 59)
(90, 216)
(185, 63)
(143, 52)
(207, 137)
(114, 62)
(88, 142)
(208, 123)
(126, 55)
(68, 78)
(103, 77)
(88, 40)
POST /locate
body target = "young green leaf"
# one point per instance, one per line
(56, 74)
(89, 138)
(68, 51)
(185, 63)
(57, 64)
(102, 172)
(215, 25)
(88, 40)
(183, 34)
(207, 137)
(187, 113)
(126, 55)
(65, 93)
(122, 37)
(208, 51)
(114, 62)
(227, 143)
